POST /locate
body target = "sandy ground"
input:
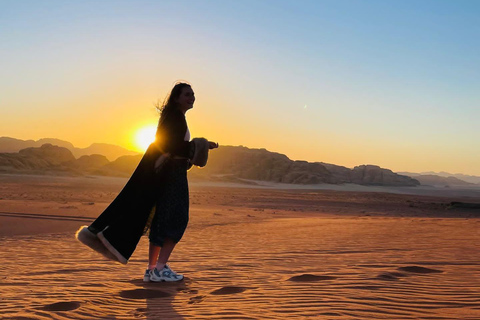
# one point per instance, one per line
(248, 253)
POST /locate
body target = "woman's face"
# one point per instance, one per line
(186, 99)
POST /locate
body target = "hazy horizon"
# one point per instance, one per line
(273, 151)
(393, 83)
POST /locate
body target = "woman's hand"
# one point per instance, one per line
(212, 145)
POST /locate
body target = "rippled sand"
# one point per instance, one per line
(251, 254)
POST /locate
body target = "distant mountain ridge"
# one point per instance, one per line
(55, 160)
(112, 152)
(463, 177)
(227, 163)
(434, 180)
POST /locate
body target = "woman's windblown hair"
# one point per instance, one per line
(169, 103)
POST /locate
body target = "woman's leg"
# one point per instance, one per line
(153, 252)
(162, 272)
(165, 252)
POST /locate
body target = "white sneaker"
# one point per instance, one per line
(146, 276)
(166, 274)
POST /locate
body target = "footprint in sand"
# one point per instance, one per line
(143, 294)
(196, 299)
(62, 306)
(417, 269)
(390, 276)
(229, 290)
(310, 278)
(186, 290)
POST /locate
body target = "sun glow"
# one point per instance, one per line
(144, 137)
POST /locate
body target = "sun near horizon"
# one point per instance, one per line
(144, 137)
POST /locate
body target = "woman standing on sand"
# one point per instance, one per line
(158, 186)
(171, 213)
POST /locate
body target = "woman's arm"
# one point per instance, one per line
(171, 135)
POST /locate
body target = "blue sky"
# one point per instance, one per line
(392, 83)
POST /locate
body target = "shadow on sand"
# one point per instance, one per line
(158, 297)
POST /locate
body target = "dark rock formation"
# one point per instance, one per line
(260, 164)
(88, 163)
(339, 173)
(52, 154)
(374, 175)
(122, 167)
(47, 156)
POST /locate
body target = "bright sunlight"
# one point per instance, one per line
(144, 136)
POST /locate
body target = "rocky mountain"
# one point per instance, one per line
(34, 160)
(434, 180)
(463, 177)
(226, 164)
(51, 154)
(88, 163)
(111, 152)
(374, 175)
(259, 164)
(50, 159)
(369, 175)
(122, 167)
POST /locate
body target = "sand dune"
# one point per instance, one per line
(248, 254)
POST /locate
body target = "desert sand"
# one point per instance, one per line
(250, 252)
